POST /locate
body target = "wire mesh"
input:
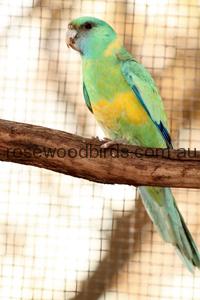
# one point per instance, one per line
(66, 238)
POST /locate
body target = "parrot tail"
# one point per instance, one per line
(161, 207)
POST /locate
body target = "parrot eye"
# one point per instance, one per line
(88, 26)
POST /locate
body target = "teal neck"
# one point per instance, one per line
(94, 46)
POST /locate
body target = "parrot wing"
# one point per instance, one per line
(144, 88)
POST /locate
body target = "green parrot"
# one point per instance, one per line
(125, 101)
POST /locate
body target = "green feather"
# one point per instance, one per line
(106, 76)
(161, 207)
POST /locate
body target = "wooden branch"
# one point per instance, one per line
(82, 157)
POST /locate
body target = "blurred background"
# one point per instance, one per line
(65, 238)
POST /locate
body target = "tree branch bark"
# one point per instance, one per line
(84, 158)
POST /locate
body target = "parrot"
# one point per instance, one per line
(124, 99)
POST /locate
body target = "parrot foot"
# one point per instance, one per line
(109, 143)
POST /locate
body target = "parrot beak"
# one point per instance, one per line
(71, 38)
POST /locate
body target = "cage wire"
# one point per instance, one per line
(65, 238)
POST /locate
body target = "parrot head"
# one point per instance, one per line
(89, 36)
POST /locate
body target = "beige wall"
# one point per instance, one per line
(64, 238)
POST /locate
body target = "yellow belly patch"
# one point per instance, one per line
(124, 105)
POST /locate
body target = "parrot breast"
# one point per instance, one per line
(115, 106)
(111, 102)
(123, 106)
